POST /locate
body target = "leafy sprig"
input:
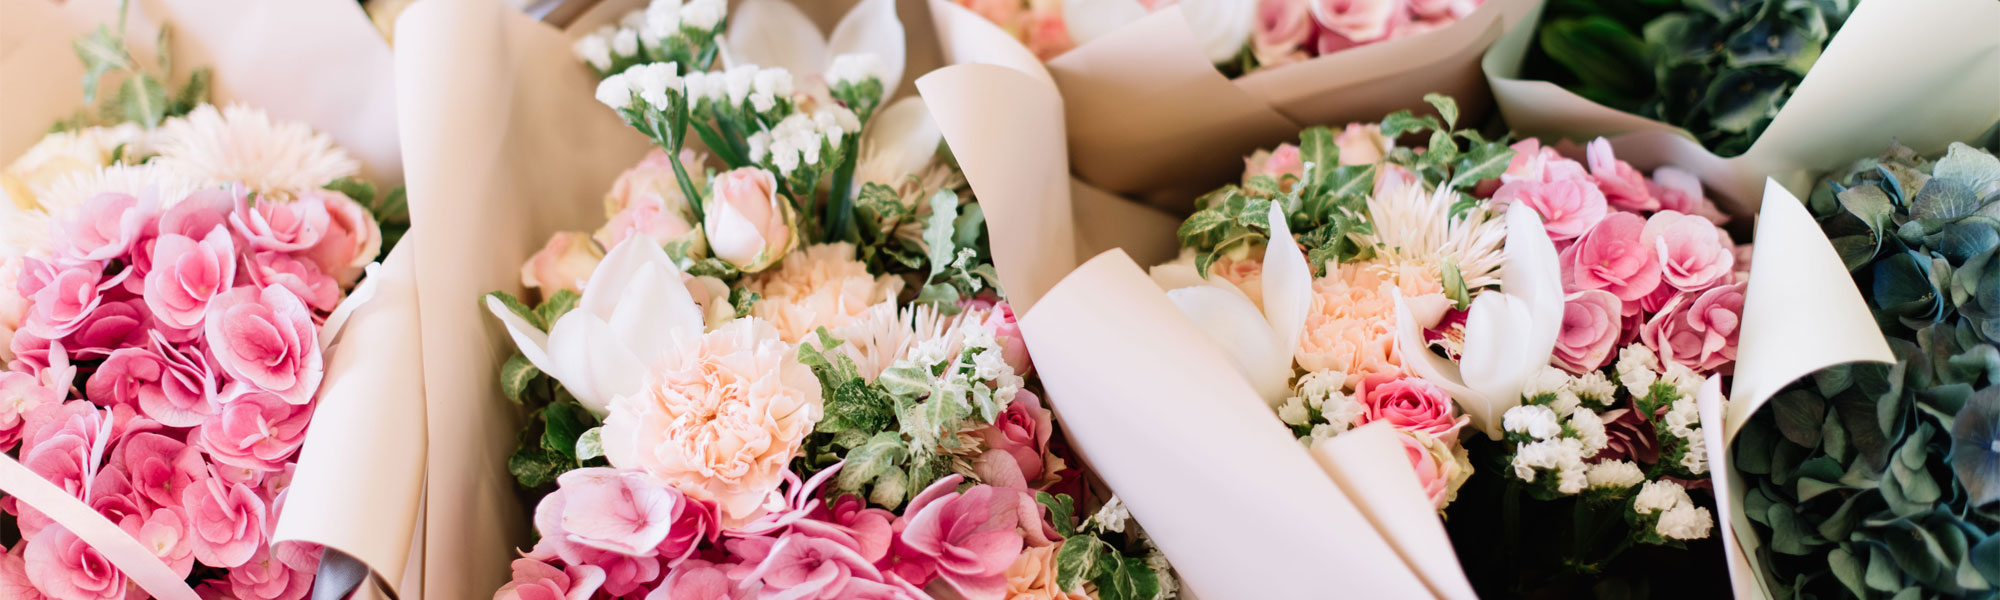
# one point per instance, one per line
(144, 96)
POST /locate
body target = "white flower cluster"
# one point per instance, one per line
(1615, 475)
(1562, 456)
(653, 82)
(1684, 421)
(800, 137)
(1112, 515)
(1679, 518)
(653, 25)
(1563, 433)
(742, 85)
(854, 68)
(1321, 391)
(1637, 369)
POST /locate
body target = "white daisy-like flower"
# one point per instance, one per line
(1415, 227)
(166, 185)
(1685, 522)
(1615, 474)
(243, 145)
(25, 232)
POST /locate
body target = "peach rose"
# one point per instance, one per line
(1362, 144)
(1359, 21)
(1279, 162)
(562, 264)
(1033, 577)
(647, 200)
(720, 418)
(748, 225)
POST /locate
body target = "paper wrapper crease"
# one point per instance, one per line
(322, 63)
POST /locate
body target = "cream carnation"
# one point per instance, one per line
(819, 286)
(242, 145)
(719, 419)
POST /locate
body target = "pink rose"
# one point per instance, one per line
(537, 580)
(650, 220)
(302, 278)
(1360, 21)
(1613, 257)
(1021, 433)
(280, 226)
(1591, 326)
(1443, 9)
(105, 227)
(626, 512)
(227, 519)
(968, 537)
(255, 430)
(63, 566)
(1283, 28)
(161, 467)
(1438, 469)
(20, 394)
(1569, 207)
(1005, 13)
(1693, 253)
(61, 305)
(1408, 404)
(653, 182)
(1698, 331)
(267, 338)
(187, 274)
(113, 325)
(803, 566)
(352, 238)
(1623, 186)
(1680, 191)
(747, 224)
(562, 264)
(1362, 144)
(694, 580)
(1278, 163)
(267, 578)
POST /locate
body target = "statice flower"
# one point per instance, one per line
(1533, 420)
(1615, 475)
(1637, 369)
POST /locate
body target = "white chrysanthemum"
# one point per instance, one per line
(704, 14)
(1595, 388)
(1658, 496)
(1637, 369)
(58, 156)
(884, 334)
(166, 185)
(25, 232)
(854, 68)
(1415, 227)
(1615, 474)
(1535, 420)
(243, 145)
(1685, 522)
(1589, 430)
(818, 286)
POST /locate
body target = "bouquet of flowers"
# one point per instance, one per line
(1554, 352)
(174, 281)
(1210, 81)
(1239, 37)
(1740, 91)
(1884, 475)
(785, 369)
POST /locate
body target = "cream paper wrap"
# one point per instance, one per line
(1155, 410)
(1924, 72)
(319, 62)
(1150, 117)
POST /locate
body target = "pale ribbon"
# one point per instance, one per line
(127, 554)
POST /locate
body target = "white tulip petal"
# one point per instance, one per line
(1089, 19)
(871, 27)
(774, 33)
(1239, 329)
(654, 306)
(533, 342)
(618, 439)
(1175, 275)
(1287, 286)
(1423, 363)
(593, 363)
(900, 140)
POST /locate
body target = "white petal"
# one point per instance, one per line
(1222, 26)
(900, 140)
(594, 363)
(533, 342)
(1088, 19)
(1418, 358)
(871, 27)
(655, 305)
(1176, 275)
(607, 289)
(1235, 325)
(1287, 286)
(619, 437)
(774, 33)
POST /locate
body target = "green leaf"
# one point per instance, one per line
(143, 100)
(515, 375)
(591, 444)
(195, 93)
(557, 305)
(1799, 415)
(1317, 148)
(514, 304)
(905, 379)
(1454, 285)
(164, 48)
(101, 52)
(1446, 107)
(881, 454)
(1062, 511)
(534, 467)
(857, 406)
(356, 189)
(1395, 125)
(1126, 578)
(938, 230)
(1601, 52)
(566, 422)
(1482, 162)
(970, 224)
(1076, 559)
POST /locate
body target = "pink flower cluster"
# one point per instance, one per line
(609, 533)
(1289, 31)
(1642, 259)
(164, 374)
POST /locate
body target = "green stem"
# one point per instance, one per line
(840, 206)
(722, 150)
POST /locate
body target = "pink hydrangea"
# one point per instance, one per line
(1592, 326)
(20, 394)
(187, 273)
(227, 519)
(1624, 187)
(1614, 257)
(629, 513)
(113, 325)
(1693, 253)
(265, 577)
(352, 238)
(1568, 207)
(71, 295)
(63, 566)
(1699, 330)
(105, 227)
(255, 430)
(280, 226)
(537, 580)
(968, 537)
(267, 338)
(301, 278)
(693, 580)
(161, 467)
(803, 566)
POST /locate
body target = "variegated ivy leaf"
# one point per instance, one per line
(938, 230)
(591, 444)
(872, 460)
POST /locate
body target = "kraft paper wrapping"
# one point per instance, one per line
(315, 61)
(1150, 117)
(1233, 500)
(1924, 72)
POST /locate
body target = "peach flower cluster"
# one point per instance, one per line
(818, 286)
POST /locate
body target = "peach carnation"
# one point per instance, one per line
(1351, 327)
(818, 286)
(719, 419)
(1033, 577)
